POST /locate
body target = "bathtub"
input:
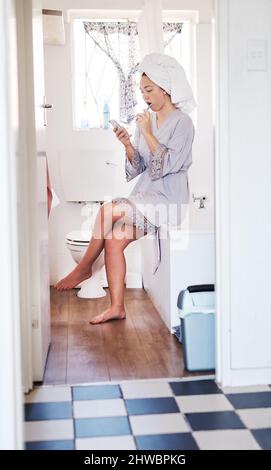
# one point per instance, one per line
(187, 258)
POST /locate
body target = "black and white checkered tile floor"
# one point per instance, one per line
(148, 415)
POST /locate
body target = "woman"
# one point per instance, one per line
(161, 153)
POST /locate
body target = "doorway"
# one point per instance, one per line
(156, 350)
(10, 399)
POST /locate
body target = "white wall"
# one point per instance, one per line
(203, 7)
(244, 202)
(65, 5)
(61, 136)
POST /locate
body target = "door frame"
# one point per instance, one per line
(222, 190)
(11, 392)
(11, 396)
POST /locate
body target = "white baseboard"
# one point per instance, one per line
(246, 377)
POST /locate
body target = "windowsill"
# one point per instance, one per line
(76, 129)
(128, 127)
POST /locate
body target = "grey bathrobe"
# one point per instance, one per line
(163, 185)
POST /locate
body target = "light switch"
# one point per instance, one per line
(257, 54)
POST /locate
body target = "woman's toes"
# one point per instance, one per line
(107, 316)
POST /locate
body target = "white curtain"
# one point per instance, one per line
(108, 37)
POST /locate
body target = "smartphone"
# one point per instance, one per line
(114, 123)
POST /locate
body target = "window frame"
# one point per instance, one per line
(85, 15)
(190, 17)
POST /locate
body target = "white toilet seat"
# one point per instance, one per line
(75, 243)
(78, 237)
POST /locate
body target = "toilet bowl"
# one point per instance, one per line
(77, 242)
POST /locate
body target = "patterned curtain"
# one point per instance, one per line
(111, 38)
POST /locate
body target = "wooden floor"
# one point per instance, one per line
(139, 347)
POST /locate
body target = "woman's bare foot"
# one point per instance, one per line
(78, 275)
(109, 314)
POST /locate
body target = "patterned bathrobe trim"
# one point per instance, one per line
(137, 163)
(131, 211)
(157, 162)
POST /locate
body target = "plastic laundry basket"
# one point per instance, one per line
(196, 306)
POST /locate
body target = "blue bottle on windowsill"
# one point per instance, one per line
(106, 115)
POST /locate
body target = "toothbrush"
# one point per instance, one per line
(146, 109)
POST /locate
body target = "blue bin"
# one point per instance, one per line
(196, 306)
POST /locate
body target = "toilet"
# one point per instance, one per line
(88, 179)
(77, 242)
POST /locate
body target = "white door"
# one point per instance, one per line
(37, 191)
(11, 397)
(41, 312)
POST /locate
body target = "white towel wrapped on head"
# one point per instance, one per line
(169, 75)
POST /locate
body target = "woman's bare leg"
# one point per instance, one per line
(106, 218)
(116, 269)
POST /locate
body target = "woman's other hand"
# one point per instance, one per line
(122, 135)
(144, 122)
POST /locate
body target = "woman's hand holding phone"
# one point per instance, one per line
(114, 123)
(121, 133)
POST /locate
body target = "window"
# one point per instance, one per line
(98, 76)
(103, 60)
(181, 47)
